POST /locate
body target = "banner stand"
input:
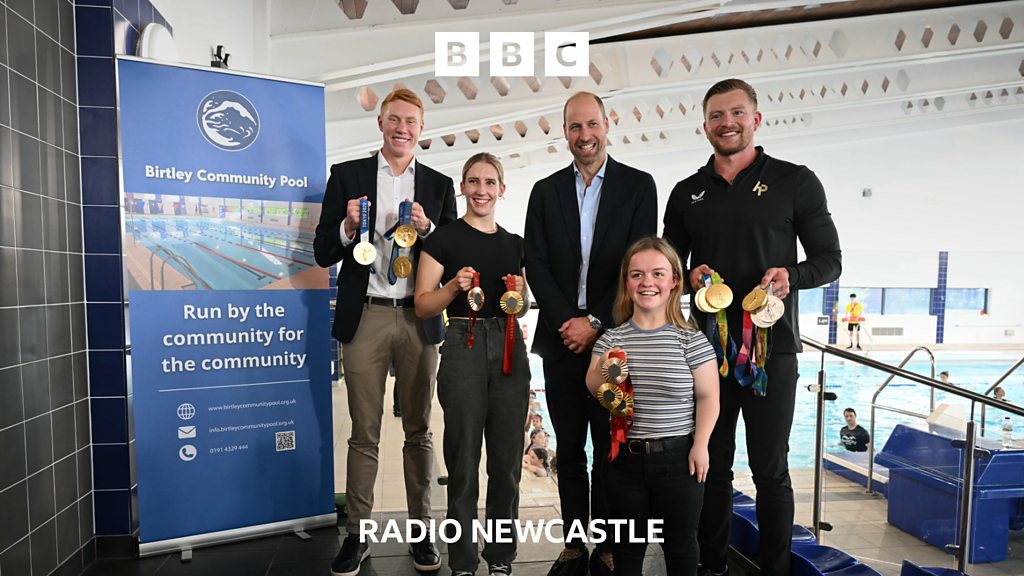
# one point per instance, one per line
(236, 535)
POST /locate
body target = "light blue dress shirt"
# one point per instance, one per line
(588, 198)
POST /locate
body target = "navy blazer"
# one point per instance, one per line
(628, 211)
(353, 179)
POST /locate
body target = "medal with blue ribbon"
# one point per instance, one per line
(364, 252)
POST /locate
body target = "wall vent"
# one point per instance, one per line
(1009, 332)
(887, 331)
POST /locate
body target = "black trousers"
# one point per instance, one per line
(656, 485)
(573, 411)
(768, 420)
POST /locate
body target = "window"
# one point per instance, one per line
(966, 299)
(812, 301)
(869, 298)
(906, 300)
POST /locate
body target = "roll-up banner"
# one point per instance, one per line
(222, 177)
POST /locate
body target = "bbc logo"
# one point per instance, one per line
(511, 53)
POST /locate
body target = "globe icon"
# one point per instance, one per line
(228, 120)
(186, 411)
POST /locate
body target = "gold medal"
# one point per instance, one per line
(624, 408)
(615, 371)
(701, 301)
(609, 396)
(405, 235)
(402, 267)
(475, 298)
(364, 253)
(511, 302)
(770, 313)
(718, 296)
(755, 299)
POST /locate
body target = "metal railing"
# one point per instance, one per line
(995, 385)
(962, 547)
(875, 406)
(187, 269)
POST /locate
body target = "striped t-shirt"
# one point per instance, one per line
(660, 366)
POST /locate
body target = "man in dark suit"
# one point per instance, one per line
(375, 319)
(579, 222)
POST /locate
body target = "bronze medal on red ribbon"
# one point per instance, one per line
(622, 395)
(475, 300)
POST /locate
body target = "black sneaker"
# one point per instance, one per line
(499, 570)
(702, 571)
(352, 554)
(425, 556)
(859, 348)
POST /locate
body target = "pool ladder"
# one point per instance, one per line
(187, 269)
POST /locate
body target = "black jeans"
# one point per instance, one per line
(480, 402)
(768, 420)
(573, 410)
(658, 485)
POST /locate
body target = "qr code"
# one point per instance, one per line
(285, 440)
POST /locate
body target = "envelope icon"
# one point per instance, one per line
(186, 432)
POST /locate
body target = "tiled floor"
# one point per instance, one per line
(858, 519)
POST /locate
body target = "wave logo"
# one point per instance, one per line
(228, 120)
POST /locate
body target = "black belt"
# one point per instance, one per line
(407, 302)
(655, 445)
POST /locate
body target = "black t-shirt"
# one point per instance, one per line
(458, 245)
(855, 440)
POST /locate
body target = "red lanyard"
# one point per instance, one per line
(510, 329)
(620, 424)
(472, 311)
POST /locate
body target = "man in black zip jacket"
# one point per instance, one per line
(741, 215)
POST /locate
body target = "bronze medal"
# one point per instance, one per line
(609, 396)
(475, 298)
(405, 235)
(624, 408)
(402, 267)
(755, 299)
(511, 302)
(615, 371)
(718, 296)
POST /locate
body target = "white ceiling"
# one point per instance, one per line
(829, 79)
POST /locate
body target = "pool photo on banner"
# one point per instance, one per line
(222, 178)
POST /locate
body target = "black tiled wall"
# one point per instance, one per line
(45, 459)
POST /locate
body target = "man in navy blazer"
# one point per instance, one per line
(579, 223)
(375, 319)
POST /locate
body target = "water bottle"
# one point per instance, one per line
(1007, 431)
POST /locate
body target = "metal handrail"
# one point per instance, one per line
(962, 549)
(189, 271)
(993, 387)
(875, 405)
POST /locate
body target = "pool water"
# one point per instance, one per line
(855, 384)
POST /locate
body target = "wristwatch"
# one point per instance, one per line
(594, 322)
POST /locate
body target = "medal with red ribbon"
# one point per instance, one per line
(511, 303)
(475, 299)
(622, 412)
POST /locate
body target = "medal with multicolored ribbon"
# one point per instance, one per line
(511, 304)
(616, 394)
(475, 299)
(713, 298)
(761, 310)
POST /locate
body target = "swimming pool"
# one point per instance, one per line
(855, 384)
(227, 255)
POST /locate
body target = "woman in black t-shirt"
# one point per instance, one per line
(483, 382)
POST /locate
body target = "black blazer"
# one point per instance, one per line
(627, 212)
(353, 179)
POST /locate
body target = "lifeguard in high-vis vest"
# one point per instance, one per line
(854, 316)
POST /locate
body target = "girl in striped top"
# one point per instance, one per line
(659, 471)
